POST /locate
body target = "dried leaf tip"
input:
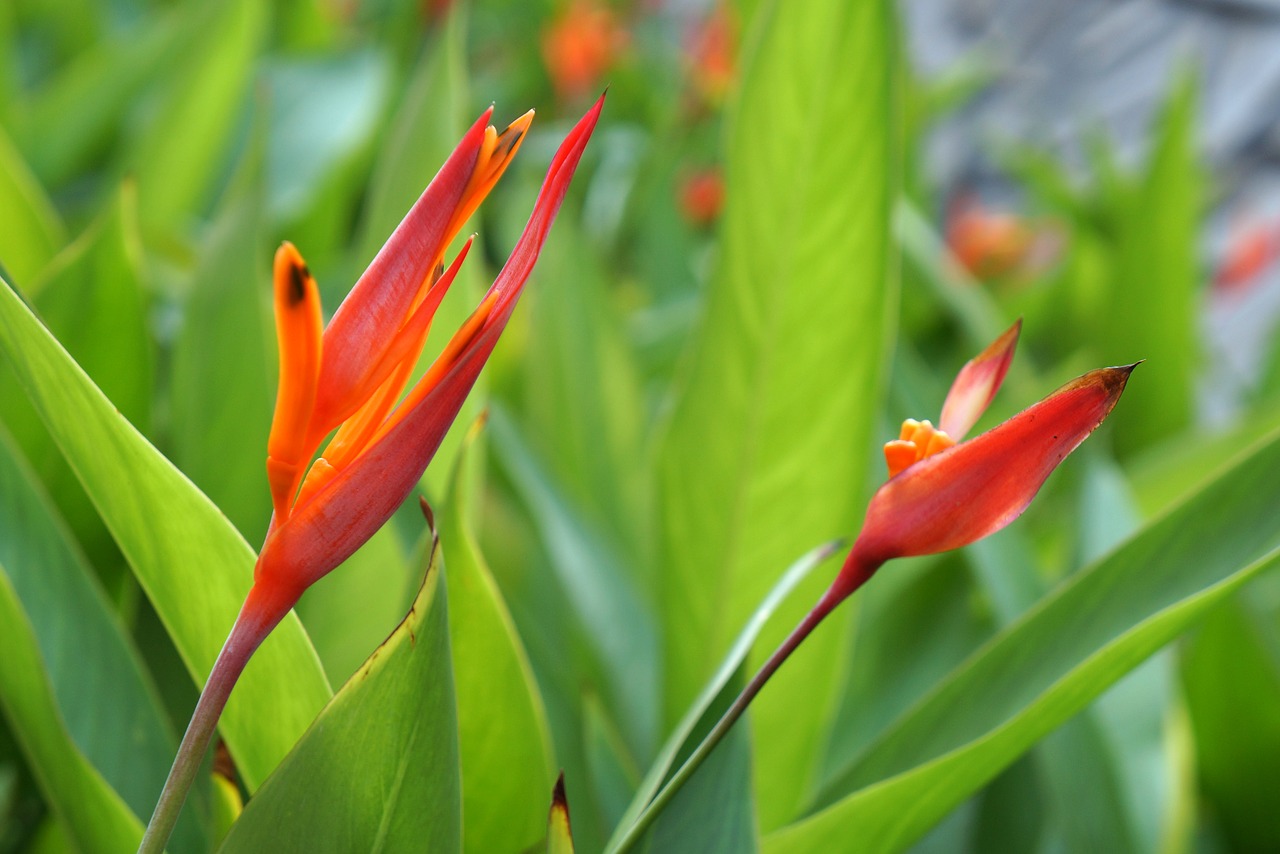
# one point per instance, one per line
(559, 833)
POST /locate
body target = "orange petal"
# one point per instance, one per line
(977, 383)
(298, 330)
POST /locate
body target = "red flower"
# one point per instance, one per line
(351, 376)
(941, 495)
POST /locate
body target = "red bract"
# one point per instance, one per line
(353, 376)
(941, 495)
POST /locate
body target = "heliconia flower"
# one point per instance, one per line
(942, 495)
(349, 377)
(352, 377)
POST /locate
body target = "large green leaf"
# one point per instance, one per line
(502, 726)
(1051, 663)
(378, 771)
(785, 378)
(74, 690)
(193, 565)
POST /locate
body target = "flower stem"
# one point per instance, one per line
(257, 618)
(852, 576)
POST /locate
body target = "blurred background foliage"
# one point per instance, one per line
(765, 264)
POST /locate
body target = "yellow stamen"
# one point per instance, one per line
(917, 440)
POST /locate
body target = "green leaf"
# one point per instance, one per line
(378, 771)
(380, 578)
(193, 565)
(222, 386)
(72, 117)
(1049, 664)
(580, 393)
(183, 146)
(96, 816)
(72, 687)
(623, 644)
(1152, 308)
(93, 297)
(784, 384)
(502, 726)
(1231, 675)
(715, 696)
(30, 230)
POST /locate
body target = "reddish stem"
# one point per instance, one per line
(853, 575)
(261, 612)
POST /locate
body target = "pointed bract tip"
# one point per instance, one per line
(427, 513)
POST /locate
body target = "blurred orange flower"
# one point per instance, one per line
(987, 243)
(701, 195)
(580, 45)
(1251, 249)
(711, 50)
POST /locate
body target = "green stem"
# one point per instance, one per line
(853, 576)
(252, 625)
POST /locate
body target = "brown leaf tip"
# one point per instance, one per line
(558, 800)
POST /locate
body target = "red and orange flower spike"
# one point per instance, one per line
(349, 377)
(940, 496)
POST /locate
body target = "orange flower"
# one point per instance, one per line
(580, 45)
(711, 54)
(701, 196)
(351, 377)
(987, 243)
